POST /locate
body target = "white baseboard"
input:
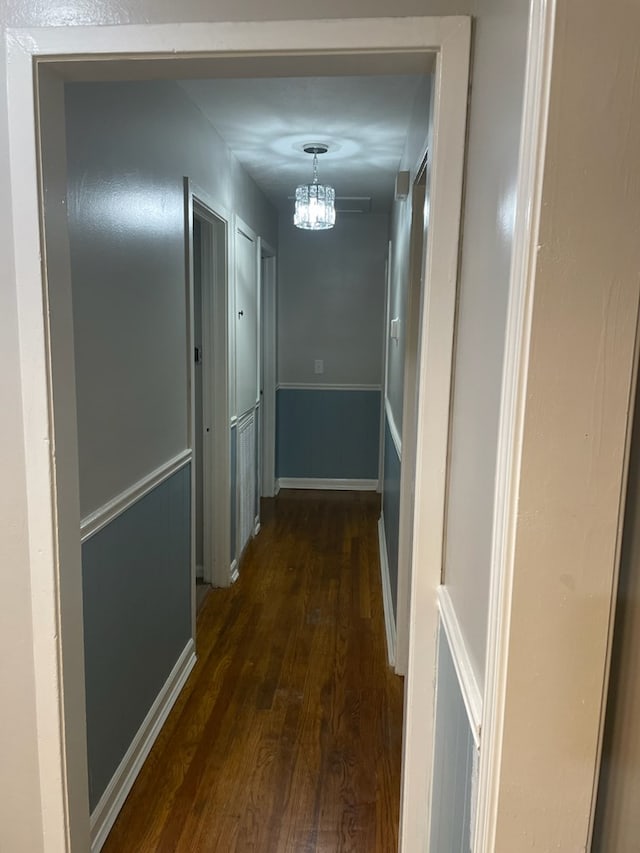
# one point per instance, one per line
(106, 812)
(322, 483)
(387, 600)
(462, 662)
(233, 571)
(256, 527)
(320, 386)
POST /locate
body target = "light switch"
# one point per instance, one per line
(318, 366)
(394, 332)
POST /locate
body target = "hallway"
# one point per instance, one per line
(287, 736)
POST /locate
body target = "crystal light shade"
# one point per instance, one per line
(315, 207)
(315, 203)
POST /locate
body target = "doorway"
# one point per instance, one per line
(410, 413)
(206, 230)
(441, 262)
(268, 371)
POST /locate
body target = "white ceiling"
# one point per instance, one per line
(265, 122)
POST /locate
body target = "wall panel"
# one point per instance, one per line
(325, 433)
(137, 618)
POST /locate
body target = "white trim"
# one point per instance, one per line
(416, 219)
(245, 416)
(445, 171)
(215, 463)
(393, 429)
(107, 513)
(326, 386)
(514, 386)
(106, 812)
(234, 574)
(268, 372)
(256, 526)
(387, 599)
(241, 228)
(465, 671)
(233, 421)
(169, 41)
(326, 483)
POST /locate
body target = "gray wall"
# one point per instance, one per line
(137, 619)
(330, 307)
(492, 164)
(400, 257)
(331, 300)
(453, 761)
(129, 146)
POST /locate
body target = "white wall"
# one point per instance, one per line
(331, 300)
(20, 818)
(129, 146)
(492, 163)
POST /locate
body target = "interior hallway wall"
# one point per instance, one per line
(397, 297)
(330, 308)
(491, 174)
(400, 256)
(129, 147)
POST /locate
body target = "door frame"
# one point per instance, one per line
(268, 367)
(417, 250)
(46, 52)
(216, 451)
(241, 229)
(528, 195)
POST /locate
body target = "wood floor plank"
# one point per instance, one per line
(287, 736)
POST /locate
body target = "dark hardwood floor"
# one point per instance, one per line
(287, 736)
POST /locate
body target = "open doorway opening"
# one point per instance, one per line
(455, 127)
(199, 427)
(207, 277)
(206, 237)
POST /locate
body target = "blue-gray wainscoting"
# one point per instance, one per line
(391, 511)
(453, 761)
(327, 433)
(137, 619)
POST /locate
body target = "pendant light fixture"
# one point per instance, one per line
(315, 202)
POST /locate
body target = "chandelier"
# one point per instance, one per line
(315, 202)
